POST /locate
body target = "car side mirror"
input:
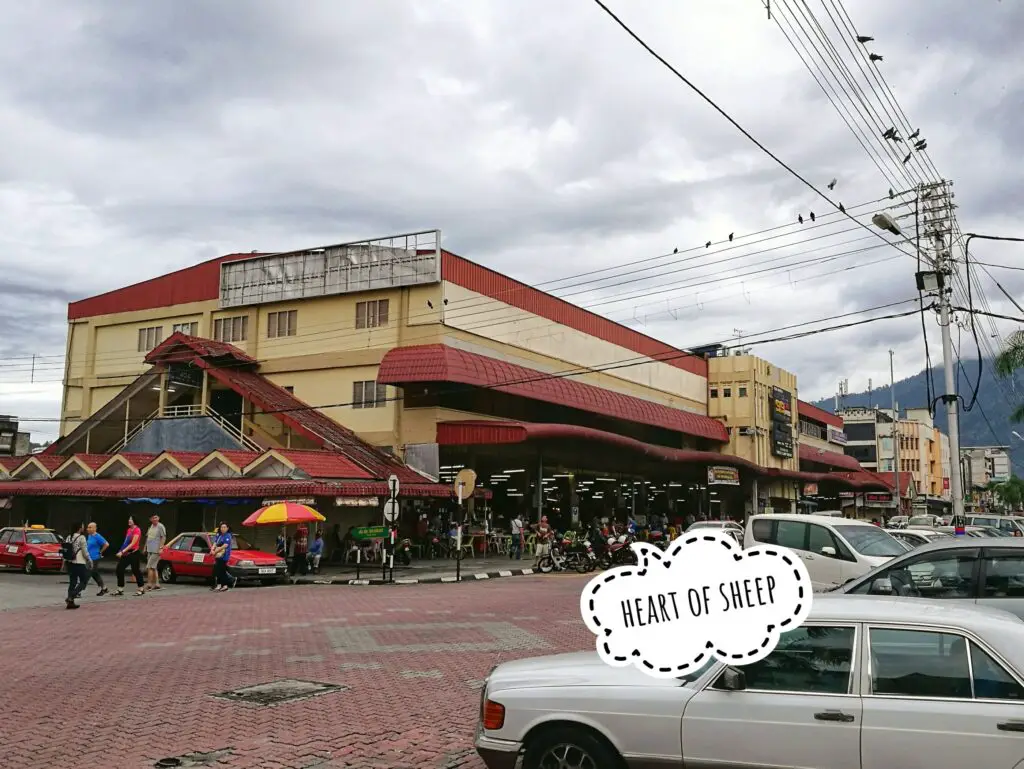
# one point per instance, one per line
(829, 551)
(732, 680)
(881, 586)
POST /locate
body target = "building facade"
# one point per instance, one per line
(407, 358)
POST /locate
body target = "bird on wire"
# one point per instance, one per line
(708, 244)
(889, 133)
(923, 144)
(891, 194)
(675, 250)
(800, 218)
(841, 209)
(876, 57)
(907, 158)
(917, 132)
(864, 39)
(812, 216)
(730, 236)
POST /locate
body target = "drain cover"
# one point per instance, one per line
(276, 692)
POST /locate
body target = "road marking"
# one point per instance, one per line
(296, 624)
(360, 666)
(421, 674)
(254, 631)
(156, 644)
(310, 658)
(253, 652)
(208, 638)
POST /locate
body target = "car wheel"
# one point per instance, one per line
(569, 748)
(167, 573)
(30, 565)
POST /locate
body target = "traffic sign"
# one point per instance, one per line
(393, 485)
(391, 511)
(465, 483)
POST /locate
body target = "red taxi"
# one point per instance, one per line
(30, 548)
(189, 555)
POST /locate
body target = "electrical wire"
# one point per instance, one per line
(730, 119)
(612, 366)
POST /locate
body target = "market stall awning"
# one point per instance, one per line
(828, 458)
(441, 363)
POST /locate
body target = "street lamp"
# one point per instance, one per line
(930, 282)
(885, 221)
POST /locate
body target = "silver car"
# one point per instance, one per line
(983, 570)
(864, 683)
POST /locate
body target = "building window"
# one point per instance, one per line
(811, 430)
(727, 392)
(372, 314)
(713, 392)
(234, 329)
(369, 395)
(189, 329)
(281, 323)
(150, 337)
(743, 392)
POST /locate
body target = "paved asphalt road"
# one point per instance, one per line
(141, 675)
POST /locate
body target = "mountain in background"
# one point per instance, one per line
(997, 399)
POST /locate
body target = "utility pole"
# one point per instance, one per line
(937, 215)
(896, 435)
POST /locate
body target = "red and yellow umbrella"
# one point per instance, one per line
(282, 513)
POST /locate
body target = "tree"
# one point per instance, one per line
(1009, 493)
(1009, 360)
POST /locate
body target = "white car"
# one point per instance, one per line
(917, 537)
(834, 550)
(731, 528)
(863, 684)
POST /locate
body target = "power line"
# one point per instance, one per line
(732, 121)
(613, 366)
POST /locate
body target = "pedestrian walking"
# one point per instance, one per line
(516, 547)
(128, 557)
(221, 554)
(96, 545)
(77, 555)
(544, 536)
(156, 538)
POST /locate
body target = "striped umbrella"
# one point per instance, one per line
(281, 513)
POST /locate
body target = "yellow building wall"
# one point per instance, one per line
(757, 377)
(490, 319)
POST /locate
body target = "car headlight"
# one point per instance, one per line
(246, 563)
(282, 564)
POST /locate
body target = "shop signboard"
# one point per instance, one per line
(878, 497)
(837, 436)
(719, 475)
(369, 532)
(810, 489)
(782, 423)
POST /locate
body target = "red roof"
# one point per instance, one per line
(812, 412)
(323, 464)
(313, 423)
(229, 488)
(12, 463)
(884, 479)
(137, 459)
(49, 461)
(494, 285)
(93, 461)
(238, 457)
(187, 459)
(198, 283)
(440, 363)
(194, 346)
(830, 458)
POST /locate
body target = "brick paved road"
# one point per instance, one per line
(140, 674)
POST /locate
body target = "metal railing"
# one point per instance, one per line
(185, 411)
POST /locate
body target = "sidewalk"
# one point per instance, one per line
(421, 571)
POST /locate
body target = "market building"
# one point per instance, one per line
(397, 356)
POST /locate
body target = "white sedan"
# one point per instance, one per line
(863, 684)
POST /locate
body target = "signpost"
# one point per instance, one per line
(391, 510)
(465, 484)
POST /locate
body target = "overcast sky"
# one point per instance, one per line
(543, 142)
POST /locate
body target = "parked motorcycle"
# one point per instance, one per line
(403, 552)
(618, 552)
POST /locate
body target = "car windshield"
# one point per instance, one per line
(710, 524)
(921, 520)
(871, 541)
(40, 538)
(693, 676)
(240, 543)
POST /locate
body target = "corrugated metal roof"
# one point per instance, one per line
(829, 458)
(440, 363)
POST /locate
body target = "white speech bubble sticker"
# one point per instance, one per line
(703, 597)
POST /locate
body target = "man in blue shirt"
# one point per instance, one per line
(222, 555)
(316, 552)
(96, 545)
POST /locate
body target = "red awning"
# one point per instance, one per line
(828, 458)
(195, 488)
(440, 363)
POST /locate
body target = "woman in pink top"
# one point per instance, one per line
(128, 556)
